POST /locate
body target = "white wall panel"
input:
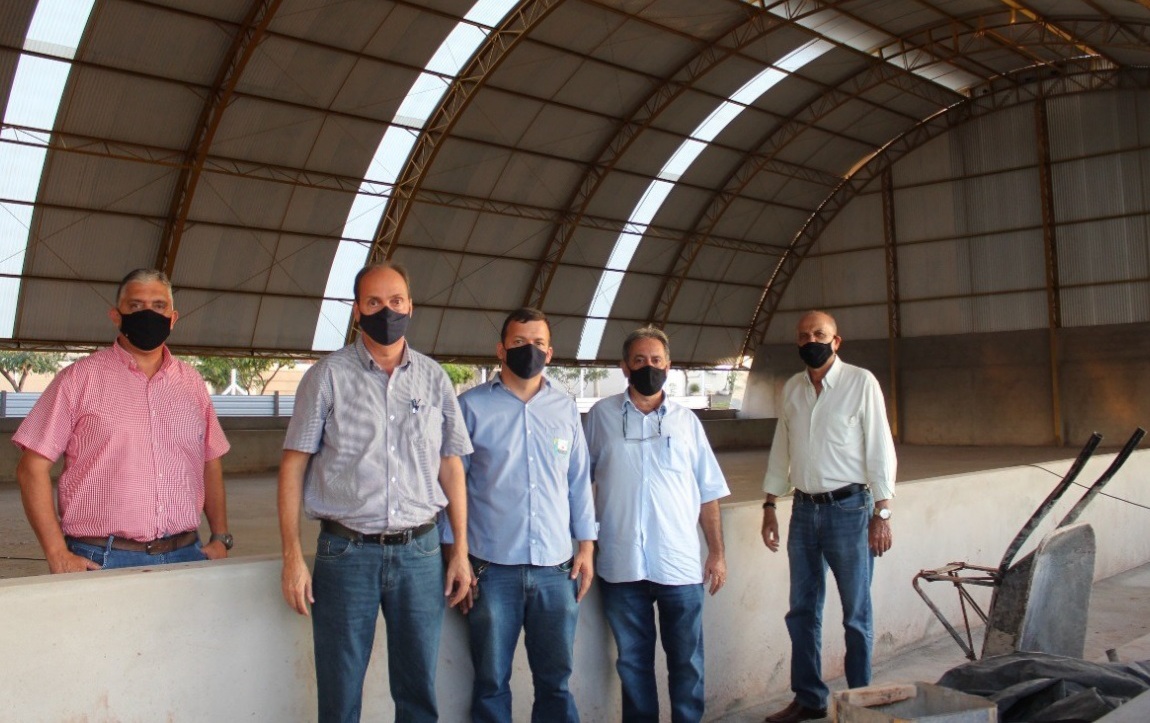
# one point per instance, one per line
(857, 225)
(1111, 304)
(1107, 250)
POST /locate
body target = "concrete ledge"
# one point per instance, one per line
(215, 641)
(257, 442)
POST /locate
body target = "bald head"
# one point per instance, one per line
(813, 321)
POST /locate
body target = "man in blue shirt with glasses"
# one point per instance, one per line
(529, 496)
(656, 480)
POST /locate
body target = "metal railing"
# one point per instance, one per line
(18, 404)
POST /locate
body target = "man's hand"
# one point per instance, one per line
(879, 536)
(458, 578)
(68, 562)
(715, 572)
(583, 564)
(215, 551)
(771, 529)
(296, 584)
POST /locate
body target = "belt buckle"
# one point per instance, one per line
(823, 498)
(148, 547)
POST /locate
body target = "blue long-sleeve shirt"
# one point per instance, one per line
(528, 480)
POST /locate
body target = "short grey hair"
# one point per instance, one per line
(143, 276)
(646, 332)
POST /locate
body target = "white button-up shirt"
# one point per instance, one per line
(829, 440)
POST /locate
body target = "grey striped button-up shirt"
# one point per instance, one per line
(376, 440)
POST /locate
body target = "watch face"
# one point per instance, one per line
(883, 514)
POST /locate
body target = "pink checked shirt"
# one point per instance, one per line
(134, 448)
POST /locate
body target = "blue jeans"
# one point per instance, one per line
(629, 607)
(540, 601)
(110, 559)
(834, 535)
(351, 581)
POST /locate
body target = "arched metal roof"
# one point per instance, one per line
(614, 163)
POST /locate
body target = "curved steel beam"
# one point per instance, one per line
(740, 35)
(1079, 78)
(764, 159)
(246, 40)
(455, 101)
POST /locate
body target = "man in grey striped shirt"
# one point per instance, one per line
(373, 450)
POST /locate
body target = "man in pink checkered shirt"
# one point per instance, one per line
(141, 446)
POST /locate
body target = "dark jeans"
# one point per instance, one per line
(831, 535)
(540, 601)
(630, 610)
(351, 582)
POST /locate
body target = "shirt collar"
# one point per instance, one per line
(368, 361)
(497, 381)
(125, 357)
(833, 374)
(661, 409)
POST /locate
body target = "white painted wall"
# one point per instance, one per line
(214, 641)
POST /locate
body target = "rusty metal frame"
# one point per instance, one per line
(1067, 79)
(246, 40)
(1050, 249)
(893, 305)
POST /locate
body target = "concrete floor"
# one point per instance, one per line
(1118, 615)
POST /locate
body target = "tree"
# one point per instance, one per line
(570, 377)
(17, 365)
(459, 373)
(250, 371)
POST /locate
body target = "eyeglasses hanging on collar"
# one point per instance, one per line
(658, 428)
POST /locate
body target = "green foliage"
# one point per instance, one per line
(17, 365)
(251, 372)
(459, 373)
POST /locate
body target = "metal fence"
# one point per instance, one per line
(18, 404)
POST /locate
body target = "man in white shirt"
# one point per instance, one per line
(834, 447)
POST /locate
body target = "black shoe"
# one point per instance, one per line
(795, 713)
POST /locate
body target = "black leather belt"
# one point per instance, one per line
(402, 537)
(822, 498)
(152, 547)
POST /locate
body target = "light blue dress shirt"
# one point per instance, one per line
(652, 473)
(528, 480)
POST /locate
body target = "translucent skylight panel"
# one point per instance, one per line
(57, 27)
(656, 194)
(387, 162)
(34, 101)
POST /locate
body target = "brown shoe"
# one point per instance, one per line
(794, 713)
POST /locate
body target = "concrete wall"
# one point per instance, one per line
(214, 641)
(993, 388)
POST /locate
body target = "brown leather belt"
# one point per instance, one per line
(821, 498)
(152, 547)
(402, 537)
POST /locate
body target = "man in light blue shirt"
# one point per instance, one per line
(529, 496)
(656, 481)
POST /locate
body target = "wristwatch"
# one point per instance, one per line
(224, 537)
(882, 514)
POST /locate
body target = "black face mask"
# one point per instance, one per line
(525, 362)
(815, 354)
(385, 326)
(145, 329)
(648, 380)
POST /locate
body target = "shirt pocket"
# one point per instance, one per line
(845, 429)
(674, 453)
